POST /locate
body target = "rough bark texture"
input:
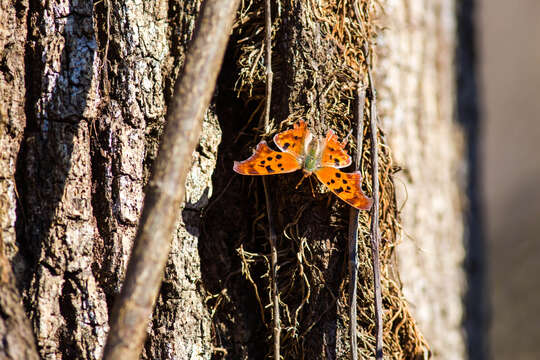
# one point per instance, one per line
(12, 116)
(166, 189)
(98, 78)
(16, 338)
(417, 101)
(56, 221)
(84, 89)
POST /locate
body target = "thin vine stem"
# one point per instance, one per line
(353, 224)
(276, 331)
(375, 189)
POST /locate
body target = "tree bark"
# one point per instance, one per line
(98, 81)
(16, 338)
(84, 92)
(418, 106)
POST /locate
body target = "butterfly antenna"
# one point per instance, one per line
(346, 140)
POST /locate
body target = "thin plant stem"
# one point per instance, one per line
(276, 331)
(353, 224)
(166, 188)
(375, 190)
(375, 228)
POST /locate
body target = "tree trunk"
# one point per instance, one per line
(84, 92)
(418, 99)
(16, 338)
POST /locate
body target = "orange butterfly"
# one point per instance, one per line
(300, 150)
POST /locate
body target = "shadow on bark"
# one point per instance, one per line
(238, 325)
(58, 85)
(234, 250)
(476, 303)
(311, 82)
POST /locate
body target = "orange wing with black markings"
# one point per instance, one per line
(292, 141)
(334, 154)
(346, 186)
(266, 161)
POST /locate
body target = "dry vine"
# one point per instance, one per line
(268, 199)
(301, 278)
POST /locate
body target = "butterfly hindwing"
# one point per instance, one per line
(266, 161)
(334, 154)
(345, 185)
(292, 141)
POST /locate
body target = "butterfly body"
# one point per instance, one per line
(311, 159)
(314, 155)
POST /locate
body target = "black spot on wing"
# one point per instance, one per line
(280, 165)
(344, 181)
(269, 158)
(348, 188)
(338, 175)
(336, 161)
(278, 156)
(339, 190)
(269, 169)
(332, 181)
(263, 161)
(286, 146)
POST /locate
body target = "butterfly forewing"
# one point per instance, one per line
(301, 150)
(266, 161)
(292, 141)
(345, 185)
(333, 154)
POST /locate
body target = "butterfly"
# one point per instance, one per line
(300, 149)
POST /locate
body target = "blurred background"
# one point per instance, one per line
(508, 39)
